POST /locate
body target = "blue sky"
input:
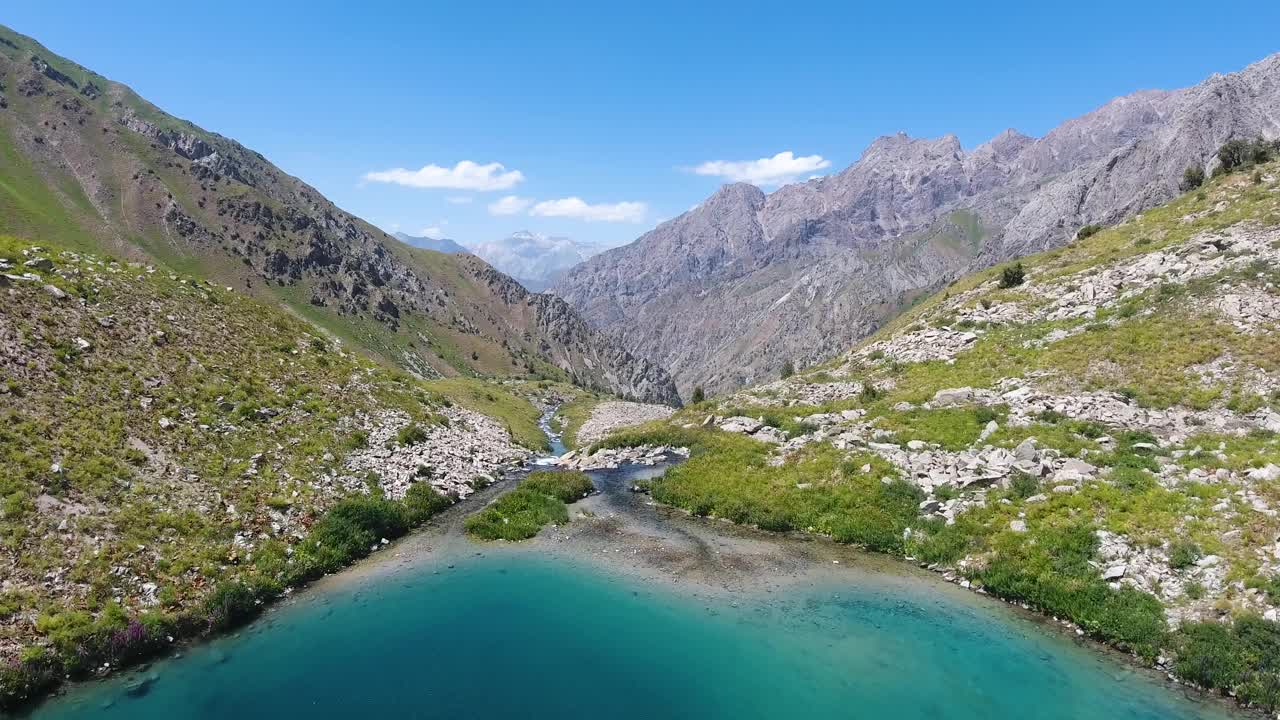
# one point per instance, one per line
(615, 105)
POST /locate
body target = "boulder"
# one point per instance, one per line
(1115, 572)
(1018, 526)
(953, 396)
(741, 424)
(1268, 473)
(1026, 450)
(770, 434)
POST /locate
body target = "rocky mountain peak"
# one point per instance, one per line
(726, 292)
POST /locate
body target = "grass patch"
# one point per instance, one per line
(539, 500)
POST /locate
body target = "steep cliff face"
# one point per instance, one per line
(89, 164)
(725, 293)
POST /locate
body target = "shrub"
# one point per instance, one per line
(869, 393)
(229, 604)
(1088, 231)
(698, 396)
(351, 528)
(422, 502)
(1183, 554)
(1012, 276)
(1192, 178)
(410, 434)
(1238, 154)
(1023, 485)
(788, 369)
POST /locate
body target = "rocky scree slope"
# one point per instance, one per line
(170, 447)
(725, 293)
(90, 165)
(1093, 432)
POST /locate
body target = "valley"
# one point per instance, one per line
(954, 431)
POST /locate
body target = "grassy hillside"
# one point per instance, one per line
(1092, 432)
(88, 164)
(174, 454)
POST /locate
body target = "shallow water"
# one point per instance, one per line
(518, 634)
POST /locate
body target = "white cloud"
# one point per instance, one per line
(434, 232)
(777, 170)
(576, 207)
(459, 199)
(509, 205)
(466, 175)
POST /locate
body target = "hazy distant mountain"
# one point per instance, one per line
(725, 293)
(535, 260)
(444, 245)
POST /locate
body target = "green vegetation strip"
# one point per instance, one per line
(539, 500)
(1052, 567)
(80, 643)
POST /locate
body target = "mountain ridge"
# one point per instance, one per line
(93, 166)
(726, 292)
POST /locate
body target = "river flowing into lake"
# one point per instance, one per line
(634, 612)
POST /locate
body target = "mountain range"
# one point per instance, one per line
(88, 164)
(444, 245)
(536, 260)
(726, 293)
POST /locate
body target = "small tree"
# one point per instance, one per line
(698, 395)
(1192, 178)
(788, 370)
(1013, 276)
(1239, 154)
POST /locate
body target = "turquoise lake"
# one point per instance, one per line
(517, 634)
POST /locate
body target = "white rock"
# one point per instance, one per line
(1115, 572)
(953, 396)
(740, 424)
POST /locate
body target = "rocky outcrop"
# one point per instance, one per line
(609, 416)
(726, 292)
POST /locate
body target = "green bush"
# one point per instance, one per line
(1023, 485)
(1183, 554)
(1088, 231)
(1240, 154)
(1012, 276)
(411, 434)
(698, 395)
(229, 604)
(422, 502)
(1192, 178)
(351, 529)
(788, 369)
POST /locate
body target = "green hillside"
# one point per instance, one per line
(1093, 432)
(174, 454)
(88, 164)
